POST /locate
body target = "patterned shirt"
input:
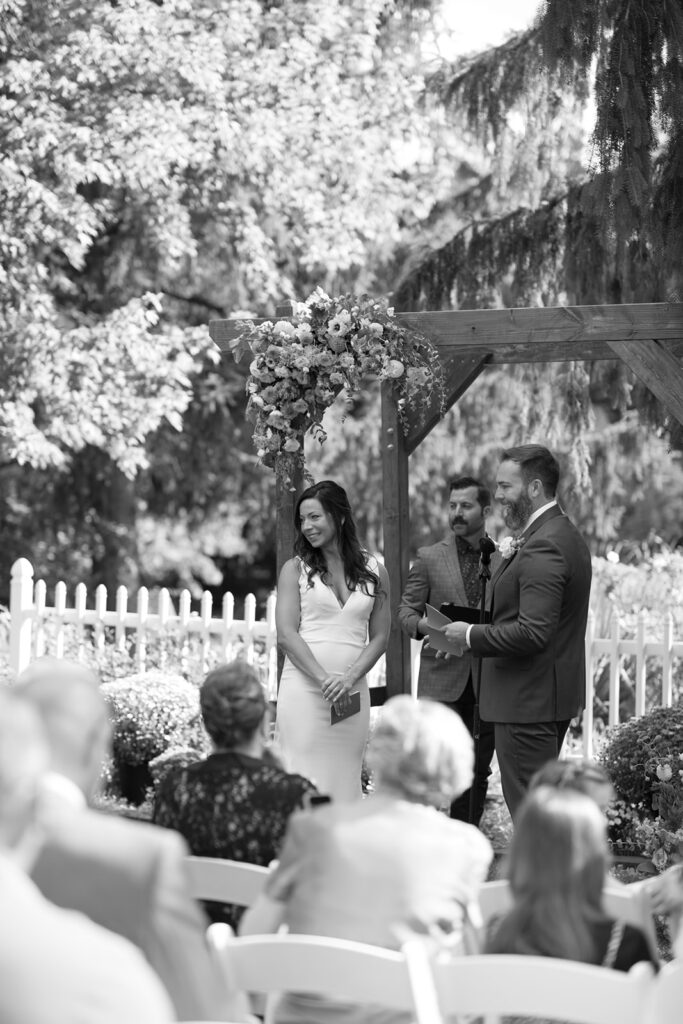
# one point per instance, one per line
(469, 568)
(230, 806)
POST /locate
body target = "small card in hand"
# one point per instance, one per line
(346, 706)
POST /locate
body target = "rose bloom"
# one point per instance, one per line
(395, 368)
(284, 327)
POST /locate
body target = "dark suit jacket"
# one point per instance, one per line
(129, 877)
(435, 579)
(534, 657)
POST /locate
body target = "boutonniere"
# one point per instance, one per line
(509, 545)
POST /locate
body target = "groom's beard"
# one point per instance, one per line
(516, 513)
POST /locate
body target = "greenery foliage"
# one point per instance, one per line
(152, 713)
(644, 758)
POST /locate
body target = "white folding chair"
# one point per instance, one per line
(225, 881)
(336, 969)
(667, 1002)
(628, 903)
(495, 986)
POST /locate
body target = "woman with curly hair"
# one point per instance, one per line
(333, 621)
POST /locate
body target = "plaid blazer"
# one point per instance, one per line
(435, 578)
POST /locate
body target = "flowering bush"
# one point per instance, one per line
(644, 758)
(301, 365)
(151, 713)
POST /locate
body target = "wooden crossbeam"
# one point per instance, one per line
(532, 334)
(658, 369)
(459, 373)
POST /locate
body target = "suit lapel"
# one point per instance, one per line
(551, 513)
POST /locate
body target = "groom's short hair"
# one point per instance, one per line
(461, 483)
(535, 463)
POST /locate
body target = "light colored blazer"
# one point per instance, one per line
(129, 877)
(534, 667)
(56, 966)
(361, 870)
(435, 579)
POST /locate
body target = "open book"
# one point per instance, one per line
(436, 620)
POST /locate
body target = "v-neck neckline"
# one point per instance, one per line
(335, 595)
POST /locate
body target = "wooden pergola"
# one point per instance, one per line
(648, 337)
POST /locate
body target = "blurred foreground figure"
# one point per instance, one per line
(126, 875)
(557, 865)
(372, 870)
(56, 967)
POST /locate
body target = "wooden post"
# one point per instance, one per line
(20, 608)
(396, 526)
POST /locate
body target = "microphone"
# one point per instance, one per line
(486, 549)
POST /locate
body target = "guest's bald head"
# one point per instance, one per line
(24, 759)
(75, 716)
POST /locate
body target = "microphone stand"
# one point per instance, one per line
(486, 548)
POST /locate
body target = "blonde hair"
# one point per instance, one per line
(422, 750)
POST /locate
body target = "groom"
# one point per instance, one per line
(533, 672)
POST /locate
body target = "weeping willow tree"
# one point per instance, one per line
(571, 216)
(609, 230)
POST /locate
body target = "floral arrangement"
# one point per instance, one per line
(508, 546)
(644, 758)
(329, 345)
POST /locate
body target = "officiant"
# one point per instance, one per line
(448, 573)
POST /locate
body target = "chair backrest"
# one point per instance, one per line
(225, 881)
(631, 904)
(337, 969)
(667, 1003)
(560, 990)
(628, 903)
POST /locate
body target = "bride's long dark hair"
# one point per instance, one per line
(335, 502)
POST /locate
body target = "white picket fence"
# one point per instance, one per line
(37, 628)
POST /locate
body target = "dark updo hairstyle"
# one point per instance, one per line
(233, 703)
(335, 502)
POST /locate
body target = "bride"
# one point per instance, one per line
(333, 620)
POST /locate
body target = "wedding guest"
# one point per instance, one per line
(368, 870)
(583, 776)
(333, 620)
(235, 803)
(666, 896)
(56, 966)
(125, 875)
(558, 860)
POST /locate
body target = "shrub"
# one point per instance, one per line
(151, 714)
(174, 757)
(644, 758)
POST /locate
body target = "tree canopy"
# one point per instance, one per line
(165, 163)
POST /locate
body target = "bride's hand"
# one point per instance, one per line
(335, 686)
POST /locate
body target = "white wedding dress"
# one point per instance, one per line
(330, 755)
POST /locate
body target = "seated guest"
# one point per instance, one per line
(583, 776)
(236, 803)
(666, 896)
(557, 863)
(127, 876)
(371, 869)
(56, 966)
